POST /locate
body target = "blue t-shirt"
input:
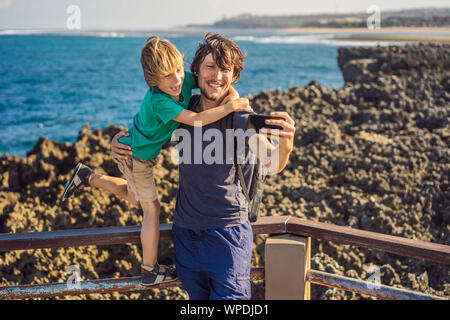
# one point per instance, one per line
(210, 195)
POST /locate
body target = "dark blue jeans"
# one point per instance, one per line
(214, 263)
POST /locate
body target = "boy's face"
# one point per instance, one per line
(214, 83)
(171, 83)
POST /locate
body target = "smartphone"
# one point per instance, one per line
(258, 121)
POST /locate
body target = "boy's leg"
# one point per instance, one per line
(151, 272)
(83, 176)
(117, 186)
(139, 184)
(150, 232)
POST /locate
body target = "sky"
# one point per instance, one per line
(166, 14)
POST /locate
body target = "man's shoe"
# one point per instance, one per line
(79, 179)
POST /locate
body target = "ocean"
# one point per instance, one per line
(51, 84)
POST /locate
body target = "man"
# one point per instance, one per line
(212, 234)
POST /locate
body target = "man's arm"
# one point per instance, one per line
(274, 158)
(120, 151)
(212, 115)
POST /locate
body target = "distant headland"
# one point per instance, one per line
(418, 18)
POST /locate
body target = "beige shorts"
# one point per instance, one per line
(140, 179)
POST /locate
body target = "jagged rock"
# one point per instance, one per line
(356, 70)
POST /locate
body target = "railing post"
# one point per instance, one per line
(287, 260)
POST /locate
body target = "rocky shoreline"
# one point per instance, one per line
(373, 155)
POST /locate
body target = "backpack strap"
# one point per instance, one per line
(253, 196)
(243, 185)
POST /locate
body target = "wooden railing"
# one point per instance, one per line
(266, 225)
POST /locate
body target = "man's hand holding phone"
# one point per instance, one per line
(279, 127)
(287, 132)
(259, 121)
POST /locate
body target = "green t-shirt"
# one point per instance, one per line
(153, 125)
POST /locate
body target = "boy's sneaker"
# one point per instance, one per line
(79, 179)
(156, 276)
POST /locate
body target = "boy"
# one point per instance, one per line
(163, 109)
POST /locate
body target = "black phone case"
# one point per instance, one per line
(257, 121)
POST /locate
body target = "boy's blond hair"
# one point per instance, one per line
(159, 58)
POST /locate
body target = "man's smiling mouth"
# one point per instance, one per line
(215, 85)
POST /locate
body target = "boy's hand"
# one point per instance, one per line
(120, 151)
(241, 104)
(232, 95)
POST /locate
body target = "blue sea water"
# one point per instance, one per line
(50, 85)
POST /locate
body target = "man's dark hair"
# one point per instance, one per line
(225, 52)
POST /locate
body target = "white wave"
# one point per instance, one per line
(102, 34)
(325, 39)
(19, 32)
(106, 34)
(244, 38)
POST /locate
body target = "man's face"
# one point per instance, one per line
(214, 83)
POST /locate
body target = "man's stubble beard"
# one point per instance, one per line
(204, 94)
(217, 100)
